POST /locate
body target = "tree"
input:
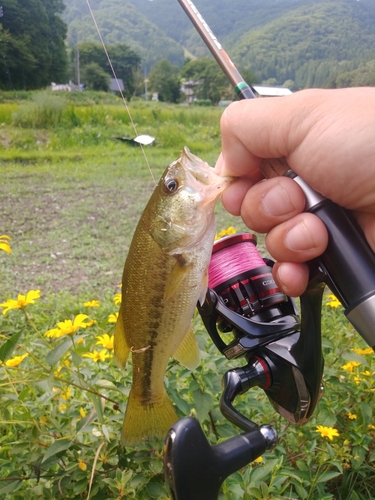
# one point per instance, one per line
(94, 77)
(57, 35)
(164, 79)
(213, 84)
(124, 60)
(249, 76)
(32, 51)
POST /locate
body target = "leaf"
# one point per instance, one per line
(302, 465)
(262, 471)
(353, 356)
(155, 490)
(366, 413)
(46, 384)
(9, 486)
(327, 476)
(203, 403)
(106, 384)
(300, 490)
(98, 407)
(6, 350)
(179, 402)
(57, 447)
(58, 352)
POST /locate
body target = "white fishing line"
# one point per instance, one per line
(119, 87)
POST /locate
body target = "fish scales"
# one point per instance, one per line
(164, 276)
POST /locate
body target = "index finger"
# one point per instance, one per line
(252, 130)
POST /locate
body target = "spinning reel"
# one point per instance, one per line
(282, 356)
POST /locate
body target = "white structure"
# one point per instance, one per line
(262, 91)
(63, 86)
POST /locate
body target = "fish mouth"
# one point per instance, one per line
(203, 173)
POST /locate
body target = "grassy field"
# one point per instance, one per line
(71, 193)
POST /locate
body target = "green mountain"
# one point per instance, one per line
(312, 44)
(120, 22)
(302, 43)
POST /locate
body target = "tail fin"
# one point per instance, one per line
(144, 421)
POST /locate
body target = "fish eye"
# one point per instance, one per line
(170, 186)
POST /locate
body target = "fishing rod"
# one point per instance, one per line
(283, 350)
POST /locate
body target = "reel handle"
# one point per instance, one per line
(195, 470)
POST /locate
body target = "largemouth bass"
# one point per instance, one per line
(165, 274)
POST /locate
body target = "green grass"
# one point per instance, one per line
(70, 197)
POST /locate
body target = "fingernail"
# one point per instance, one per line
(299, 238)
(277, 202)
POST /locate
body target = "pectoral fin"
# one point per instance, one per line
(188, 352)
(176, 276)
(121, 348)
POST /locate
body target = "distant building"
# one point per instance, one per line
(61, 86)
(263, 91)
(116, 85)
(188, 88)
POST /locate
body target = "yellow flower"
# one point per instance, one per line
(43, 420)
(372, 427)
(328, 432)
(369, 350)
(22, 301)
(82, 412)
(97, 356)
(349, 367)
(225, 232)
(66, 395)
(106, 341)
(82, 465)
(92, 303)
(117, 298)
(112, 318)
(4, 243)
(90, 323)
(259, 460)
(352, 416)
(13, 362)
(67, 327)
(333, 301)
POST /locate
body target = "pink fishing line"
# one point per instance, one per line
(232, 256)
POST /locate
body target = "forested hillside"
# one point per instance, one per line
(299, 43)
(312, 45)
(120, 22)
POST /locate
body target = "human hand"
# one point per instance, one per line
(327, 137)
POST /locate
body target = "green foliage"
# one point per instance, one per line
(94, 77)
(164, 79)
(307, 42)
(31, 44)
(123, 24)
(312, 44)
(363, 76)
(45, 110)
(124, 62)
(213, 84)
